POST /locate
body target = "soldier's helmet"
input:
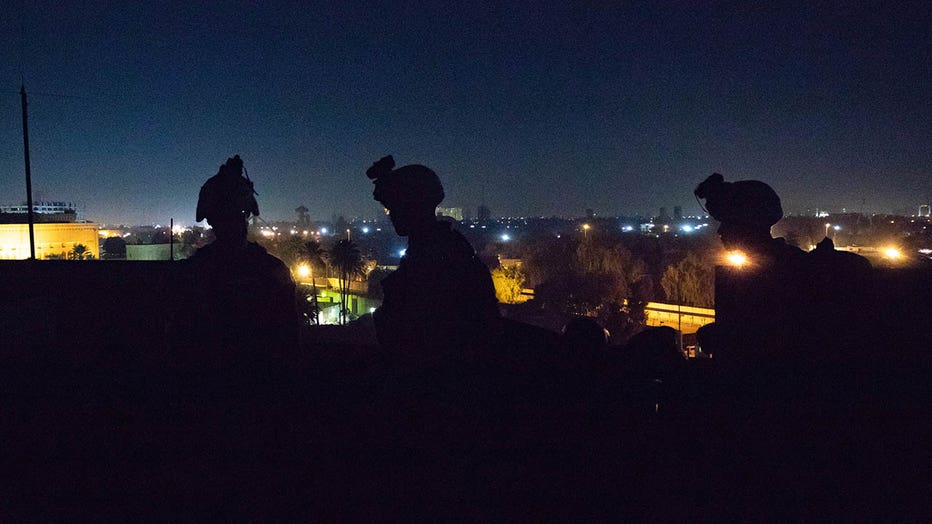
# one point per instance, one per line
(746, 202)
(408, 186)
(228, 193)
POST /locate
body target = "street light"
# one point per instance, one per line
(892, 253)
(304, 271)
(736, 259)
(827, 225)
(585, 228)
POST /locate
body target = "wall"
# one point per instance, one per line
(687, 319)
(152, 252)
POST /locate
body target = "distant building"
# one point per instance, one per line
(456, 213)
(42, 212)
(484, 214)
(41, 207)
(924, 210)
(663, 218)
(677, 213)
(304, 220)
(53, 240)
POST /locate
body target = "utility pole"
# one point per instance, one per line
(32, 234)
(171, 239)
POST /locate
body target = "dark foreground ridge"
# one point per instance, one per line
(139, 390)
(101, 420)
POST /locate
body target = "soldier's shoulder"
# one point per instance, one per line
(267, 262)
(203, 255)
(259, 254)
(839, 259)
(452, 241)
(783, 249)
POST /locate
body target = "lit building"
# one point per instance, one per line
(456, 213)
(924, 210)
(52, 240)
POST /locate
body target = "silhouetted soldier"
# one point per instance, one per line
(759, 303)
(234, 321)
(434, 321)
(654, 365)
(240, 308)
(747, 209)
(584, 334)
(840, 284)
(441, 296)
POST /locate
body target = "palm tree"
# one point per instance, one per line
(347, 260)
(314, 256)
(79, 252)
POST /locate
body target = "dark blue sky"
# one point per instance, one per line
(618, 106)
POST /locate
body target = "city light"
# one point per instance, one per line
(505, 237)
(402, 252)
(892, 253)
(736, 259)
(323, 231)
(628, 229)
(365, 229)
(304, 271)
(687, 229)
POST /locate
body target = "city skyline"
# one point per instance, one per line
(546, 111)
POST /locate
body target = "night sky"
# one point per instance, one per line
(622, 107)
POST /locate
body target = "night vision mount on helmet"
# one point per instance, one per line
(750, 202)
(406, 186)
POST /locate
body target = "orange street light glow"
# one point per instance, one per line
(736, 258)
(304, 271)
(892, 253)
